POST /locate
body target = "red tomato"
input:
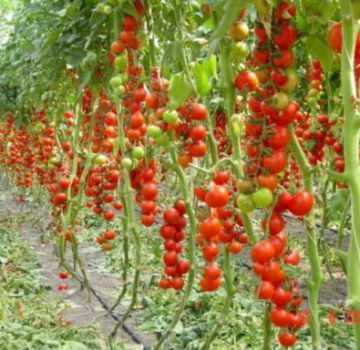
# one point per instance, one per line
(218, 196)
(246, 80)
(276, 162)
(262, 252)
(287, 339)
(302, 203)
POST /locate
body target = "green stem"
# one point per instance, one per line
(316, 276)
(187, 195)
(267, 328)
(351, 137)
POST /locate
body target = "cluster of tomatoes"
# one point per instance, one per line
(144, 181)
(268, 137)
(63, 275)
(173, 232)
(221, 225)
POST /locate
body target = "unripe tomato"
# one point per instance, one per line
(245, 203)
(262, 197)
(154, 131)
(239, 31)
(138, 152)
(126, 163)
(170, 117)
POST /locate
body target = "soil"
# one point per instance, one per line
(82, 308)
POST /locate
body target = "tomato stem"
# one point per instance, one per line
(351, 136)
(316, 276)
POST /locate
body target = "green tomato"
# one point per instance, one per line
(263, 197)
(313, 93)
(281, 100)
(49, 166)
(154, 131)
(100, 159)
(126, 163)
(54, 159)
(162, 140)
(121, 62)
(138, 152)
(293, 81)
(119, 90)
(239, 51)
(245, 203)
(116, 81)
(107, 10)
(170, 117)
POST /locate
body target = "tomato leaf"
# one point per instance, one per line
(202, 72)
(180, 90)
(320, 49)
(337, 203)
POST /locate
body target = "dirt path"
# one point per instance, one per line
(82, 308)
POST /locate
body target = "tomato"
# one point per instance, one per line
(212, 271)
(234, 247)
(200, 193)
(183, 266)
(284, 11)
(280, 137)
(262, 55)
(217, 196)
(63, 274)
(180, 206)
(170, 117)
(63, 286)
(281, 297)
(178, 283)
(167, 231)
(245, 203)
(302, 203)
(278, 77)
(211, 251)
(280, 317)
(138, 152)
(284, 200)
(262, 252)
(239, 51)
(59, 198)
(199, 111)
(281, 100)
(246, 80)
(198, 149)
(276, 223)
(263, 197)
(335, 37)
(171, 216)
(210, 285)
(221, 177)
(287, 35)
(292, 258)
(276, 162)
(268, 181)
(117, 47)
(210, 227)
(278, 244)
(292, 81)
(284, 59)
(265, 290)
(165, 283)
(198, 132)
(150, 191)
(239, 31)
(170, 258)
(287, 339)
(260, 32)
(110, 235)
